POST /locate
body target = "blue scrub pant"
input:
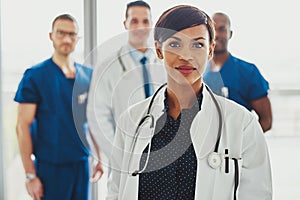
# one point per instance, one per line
(64, 181)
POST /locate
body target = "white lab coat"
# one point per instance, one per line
(113, 90)
(241, 134)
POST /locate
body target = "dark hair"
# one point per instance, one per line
(136, 3)
(64, 17)
(181, 17)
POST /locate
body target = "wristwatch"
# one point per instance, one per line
(30, 176)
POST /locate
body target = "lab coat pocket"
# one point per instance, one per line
(230, 172)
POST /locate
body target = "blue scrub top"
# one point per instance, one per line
(58, 129)
(243, 81)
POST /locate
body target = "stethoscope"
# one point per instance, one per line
(120, 60)
(214, 159)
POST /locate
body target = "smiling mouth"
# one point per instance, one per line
(185, 69)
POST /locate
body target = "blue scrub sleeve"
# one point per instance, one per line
(27, 90)
(258, 85)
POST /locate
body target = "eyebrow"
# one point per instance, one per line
(66, 31)
(197, 38)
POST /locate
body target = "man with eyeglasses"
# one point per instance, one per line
(51, 122)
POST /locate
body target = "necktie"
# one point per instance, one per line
(146, 76)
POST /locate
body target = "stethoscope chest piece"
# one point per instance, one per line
(214, 160)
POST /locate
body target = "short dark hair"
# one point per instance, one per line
(181, 17)
(64, 17)
(224, 15)
(136, 3)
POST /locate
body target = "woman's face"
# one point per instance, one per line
(186, 54)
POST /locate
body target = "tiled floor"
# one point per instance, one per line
(284, 153)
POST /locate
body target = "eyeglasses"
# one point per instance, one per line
(61, 34)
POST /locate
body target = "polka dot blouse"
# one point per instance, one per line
(172, 167)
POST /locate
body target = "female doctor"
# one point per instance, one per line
(184, 142)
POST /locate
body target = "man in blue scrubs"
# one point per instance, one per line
(52, 98)
(236, 79)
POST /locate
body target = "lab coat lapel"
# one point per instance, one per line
(145, 132)
(127, 59)
(132, 69)
(143, 139)
(158, 104)
(132, 182)
(204, 129)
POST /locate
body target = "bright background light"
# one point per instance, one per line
(264, 32)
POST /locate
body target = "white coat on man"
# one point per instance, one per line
(241, 134)
(114, 87)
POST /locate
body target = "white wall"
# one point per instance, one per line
(265, 32)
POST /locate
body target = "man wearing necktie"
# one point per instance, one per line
(147, 79)
(132, 74)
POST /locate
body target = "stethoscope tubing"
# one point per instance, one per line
(220, 119)
(152, 124)
(120, 60)
(148, 115)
